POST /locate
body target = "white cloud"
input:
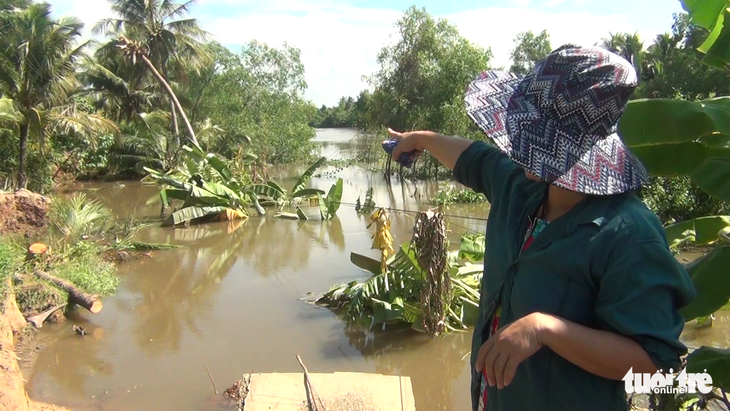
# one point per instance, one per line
(497, 28)
(340, 43)
(90, 12)
(520, 3)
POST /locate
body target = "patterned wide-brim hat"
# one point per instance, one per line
(560, 121)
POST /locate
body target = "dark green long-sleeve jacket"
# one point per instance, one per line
(605, 265)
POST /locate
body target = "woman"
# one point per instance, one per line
(579, 285)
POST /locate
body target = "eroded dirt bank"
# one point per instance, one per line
(12, 386)
(21, 213)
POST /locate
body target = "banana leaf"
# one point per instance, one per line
(704, 12)
(366, 263)
(700, 231)
(219, 166)
(270, 190)
(199, 196)
(472, 247)
(715, 360)
(162, 178)
(221, 191)
(194, 213)
(322, 207)
(334, 198)
(167, 194)
(469, 314)
(304, 179)
(710, 279)
(307, 192)
(255, 201)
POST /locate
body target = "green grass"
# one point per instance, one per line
(446, 197)
(11, 262)
(84, 265)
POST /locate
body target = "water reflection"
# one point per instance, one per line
(73, 363)
(177, 288)
(229, 299)
(434, 366)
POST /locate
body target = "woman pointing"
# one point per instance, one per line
(579, 284)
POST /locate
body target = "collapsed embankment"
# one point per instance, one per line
(12, 386)
(23, 214)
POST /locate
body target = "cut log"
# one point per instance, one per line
(76, 296)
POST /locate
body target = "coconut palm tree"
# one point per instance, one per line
(38, 56)
(119, 90)
(170, 43)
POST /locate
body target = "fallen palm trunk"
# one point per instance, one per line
(76, 296)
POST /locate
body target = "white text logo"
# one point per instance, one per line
(664, 383)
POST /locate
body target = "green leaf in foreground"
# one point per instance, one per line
(704, 13)
(648, 122)
(700, 231)
(712, 176)
(711, 281)
(715, 360)
(472, 247)
(307, 175)
(334, 198)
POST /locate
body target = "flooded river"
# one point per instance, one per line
(231, 301)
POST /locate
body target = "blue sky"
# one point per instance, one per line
(340, 40)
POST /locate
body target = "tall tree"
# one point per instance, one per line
(628, 46)
(258, 93)
(170, 42)
(38, 56)
(421, 80)
(529, 49)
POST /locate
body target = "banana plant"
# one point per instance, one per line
(329, 205)
(394, 295)
(274, 192)
(692, 138)
(207, 187)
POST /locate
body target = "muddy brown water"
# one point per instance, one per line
(231, 300)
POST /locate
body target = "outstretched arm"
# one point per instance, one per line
(446, 149)
(483, 168)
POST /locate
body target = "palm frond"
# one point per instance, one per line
(172, 10)
(9, 111)
(77, 216)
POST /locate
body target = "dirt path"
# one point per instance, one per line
(12, 385)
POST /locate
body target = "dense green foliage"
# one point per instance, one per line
(676, 137)
(96, 108)
(348, 113)
(529, 48)
(98, 111)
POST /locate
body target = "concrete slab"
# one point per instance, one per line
(340, 391)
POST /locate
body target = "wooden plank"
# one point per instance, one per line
(340, 391)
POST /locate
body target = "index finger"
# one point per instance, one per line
(482, 355)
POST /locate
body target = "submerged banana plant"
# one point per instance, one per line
(422, 283)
